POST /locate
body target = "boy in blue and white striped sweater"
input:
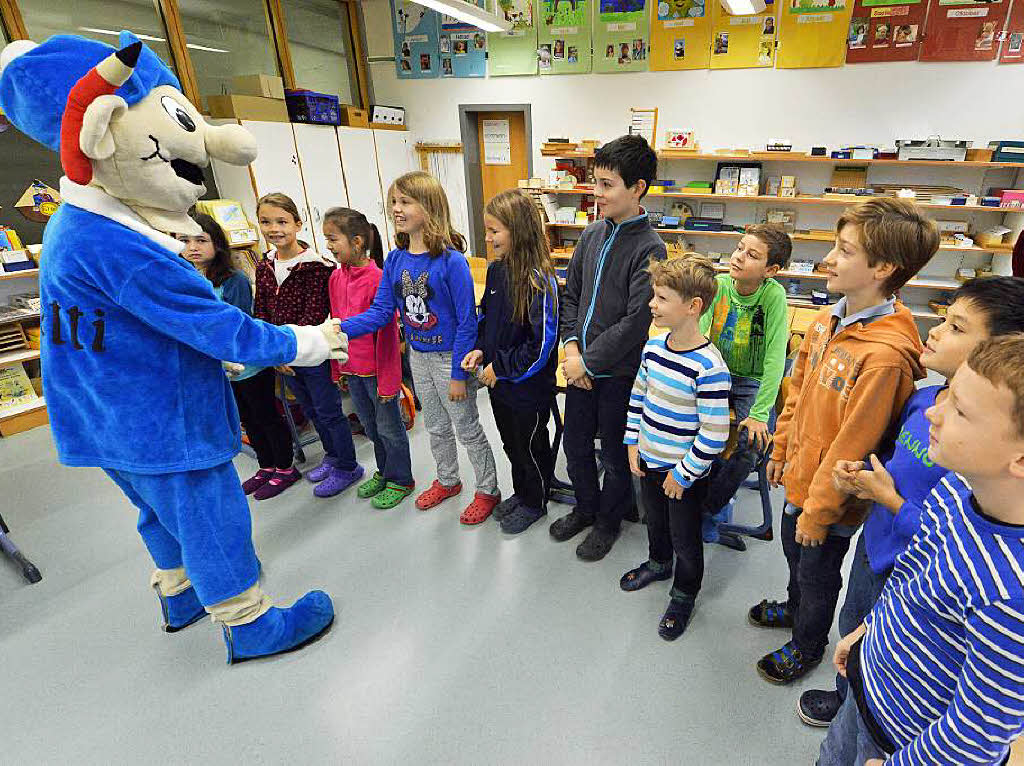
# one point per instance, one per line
(936, 671)
(678, 421)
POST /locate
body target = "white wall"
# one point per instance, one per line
(866, 103)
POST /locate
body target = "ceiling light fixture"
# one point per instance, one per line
(111, 32)
(470, 14)
(195, 47)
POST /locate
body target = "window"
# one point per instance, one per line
(97, 19)
(320, 44)
(226, 38)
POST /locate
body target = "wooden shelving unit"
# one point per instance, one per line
(25, 274)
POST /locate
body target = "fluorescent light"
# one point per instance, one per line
(205, 48)
(743, 7)
(118, 34)
(469, 13)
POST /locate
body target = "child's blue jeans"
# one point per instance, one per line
(320, 400)
(383, 424)
(848, 727)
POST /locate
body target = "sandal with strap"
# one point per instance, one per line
(785, 665)
(391, 495)
(770, 614)
(481, 507)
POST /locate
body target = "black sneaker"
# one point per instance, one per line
(505, 507)
(569, 526)
(770, 614)
(786, 665)
(676, 618)
(817, 708)
(597, 544)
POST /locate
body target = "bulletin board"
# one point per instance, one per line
(462, 48)
(513, 52)
(959, 30)
(1012, 51)
(571, 22)
(885, 30)
(621, 36)
(739, 42)
(416, 31)
(813, 33)
(680, 34)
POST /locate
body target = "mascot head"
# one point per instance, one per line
(120, 122)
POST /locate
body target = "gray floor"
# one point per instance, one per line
(452, 645)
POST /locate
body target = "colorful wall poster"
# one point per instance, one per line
(813, 33)
(514, 52)
(680, 34)
(621, 36)
(564, 35)
(462, 47)
(742, 41)
(885, 30)
(1012, 51)
(963, 30)
(415, 30)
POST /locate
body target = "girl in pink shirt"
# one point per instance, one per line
(374, 367)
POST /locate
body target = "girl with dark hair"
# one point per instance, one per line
(253, 387)
(374, 367)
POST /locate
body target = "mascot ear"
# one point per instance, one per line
(96, 140)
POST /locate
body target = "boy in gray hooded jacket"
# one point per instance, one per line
(604, 326)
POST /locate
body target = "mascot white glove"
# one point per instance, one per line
(336, 339)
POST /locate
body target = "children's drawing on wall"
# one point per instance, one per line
(518, 12)
(408, 16)
(619, 10)
(680, 9)
(816, 6)
(566, 13)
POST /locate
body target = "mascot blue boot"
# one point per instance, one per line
(134, 339)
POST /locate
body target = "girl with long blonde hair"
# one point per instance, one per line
(427, 279)
(515, 355)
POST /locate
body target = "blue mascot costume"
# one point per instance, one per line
(134, 339)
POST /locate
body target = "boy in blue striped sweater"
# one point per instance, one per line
(678, 421)
(936, 671)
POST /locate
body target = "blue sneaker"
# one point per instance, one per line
(180, 611)
(281, 630)
(338, 481)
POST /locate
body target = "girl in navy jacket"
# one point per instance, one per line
(515, 357)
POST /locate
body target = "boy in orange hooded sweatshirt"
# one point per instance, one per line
(855, 370)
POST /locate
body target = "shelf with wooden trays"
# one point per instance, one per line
(28, 317)
(23, 274)
(793, 157)
(18, 355)
(1000, 249)
(803, 199)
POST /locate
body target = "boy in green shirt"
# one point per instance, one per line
(748, 323)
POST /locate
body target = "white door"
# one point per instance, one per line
(276, 168)
(396, 156)
(359, 157)
(322, 175)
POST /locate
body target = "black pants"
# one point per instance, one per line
(524, 435)
(267, 431)
(674, 527)
(600, 412)
(815, 579)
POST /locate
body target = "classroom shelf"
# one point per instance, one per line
(1004, 249)
(21, 355)
(21, 409)
(25, 274)
(803, 199)
(795, 157)
(21, 318)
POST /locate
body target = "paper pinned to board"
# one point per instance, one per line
(497, 142)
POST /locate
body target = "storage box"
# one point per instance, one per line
(1012, 198)
(979, 155)
(387, 115)
(311, 107)
(263, 85)
(354, 117)
(248, 108)
(1007, 151)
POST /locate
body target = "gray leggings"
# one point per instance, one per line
(432, 372)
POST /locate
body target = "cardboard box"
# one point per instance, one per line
(263, 85)
(355, 117)
(388, 115)
(248, 108)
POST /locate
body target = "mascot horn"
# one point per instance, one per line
(134, 338)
